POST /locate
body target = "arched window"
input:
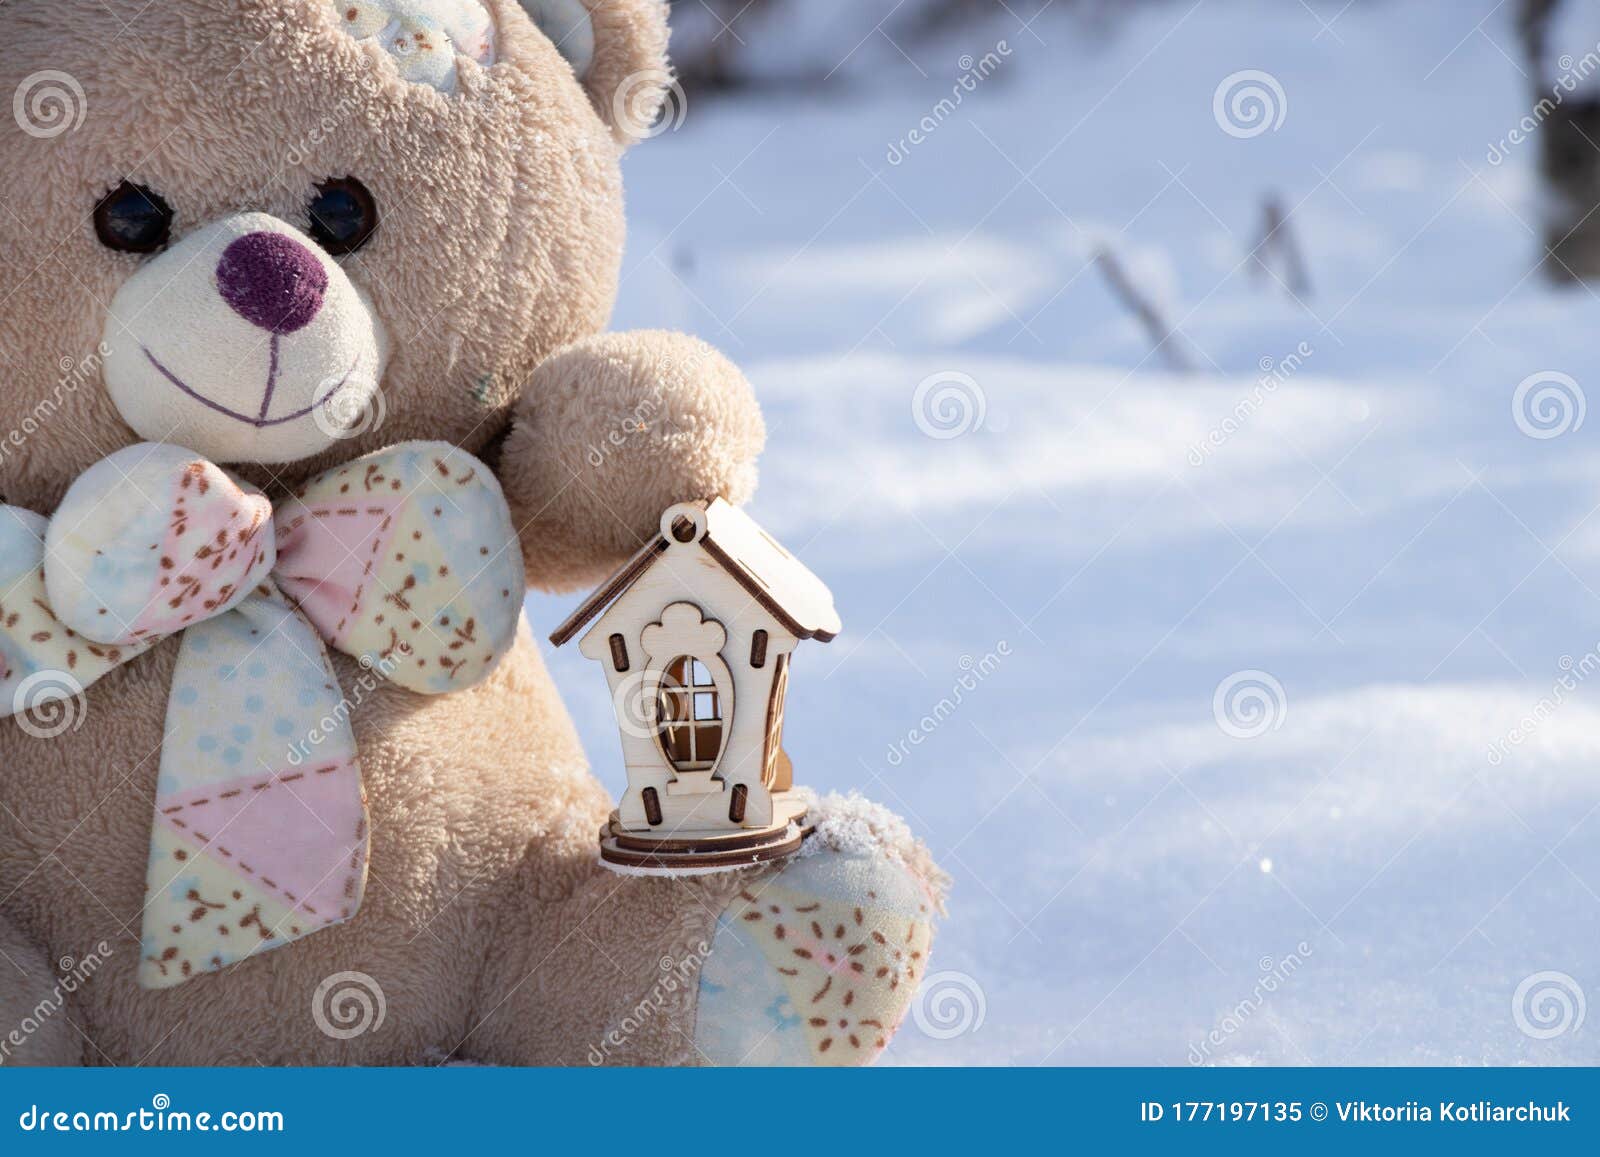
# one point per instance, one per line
(690, 714)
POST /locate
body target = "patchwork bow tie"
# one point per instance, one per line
(405, 559)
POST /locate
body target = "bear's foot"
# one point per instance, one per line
(817, 961)
(812, 961)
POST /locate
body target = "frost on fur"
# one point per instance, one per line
(853, 824)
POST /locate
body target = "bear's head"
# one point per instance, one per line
(283, 233)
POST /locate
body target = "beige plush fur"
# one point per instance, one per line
(607, 426)
(35, 1025)
(490, 928)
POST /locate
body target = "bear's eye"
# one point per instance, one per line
(132, 219)
(344, 215)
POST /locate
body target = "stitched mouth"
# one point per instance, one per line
(260, 421)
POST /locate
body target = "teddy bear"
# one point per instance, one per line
(302, 355)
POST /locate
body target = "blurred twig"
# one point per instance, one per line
(1278, 241)
(1163, 336)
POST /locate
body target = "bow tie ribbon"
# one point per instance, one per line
(405, 559)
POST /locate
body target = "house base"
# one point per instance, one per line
(683, 852)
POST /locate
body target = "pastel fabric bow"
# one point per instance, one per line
(405, 559)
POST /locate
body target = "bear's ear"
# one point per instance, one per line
(618, 49)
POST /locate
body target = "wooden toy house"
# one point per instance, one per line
(695, 634)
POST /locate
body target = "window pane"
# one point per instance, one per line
(680, 744)
(708, 741)
(674, 705)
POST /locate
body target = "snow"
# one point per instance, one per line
(1389, 851)
(1574, 32)
(662, 874)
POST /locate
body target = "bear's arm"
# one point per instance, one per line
(608, 433)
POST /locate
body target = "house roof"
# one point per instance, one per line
(798, 599)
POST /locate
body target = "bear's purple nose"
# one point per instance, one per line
(272, 281)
